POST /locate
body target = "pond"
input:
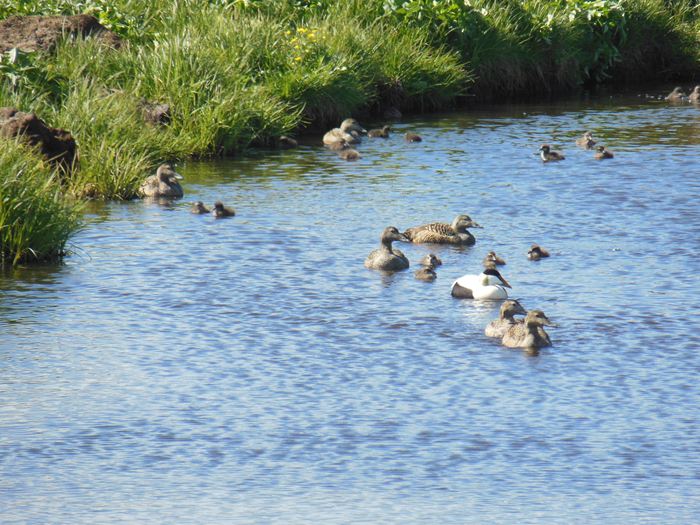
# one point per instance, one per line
(182, 369)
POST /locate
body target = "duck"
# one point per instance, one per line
(602, 153)
(349, 154)
(199, 208)
(385, 257)
(426, 273)
(349, 131)
(536, 252)
(549, 155)
(586, 140)
(412, 137)
(489, 284)
(381, 133)
(694, 96)
(163, 184)
(676, 95)
(530, 333)
(492, 258)
(220, 211)
(443, 233)
(431, 260)
(499, 327)
(285, 142)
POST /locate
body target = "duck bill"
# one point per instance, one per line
(475, 225)
(177, 176)
(550, 323)
(402, 238)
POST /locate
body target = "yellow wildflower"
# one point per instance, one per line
(298, 59)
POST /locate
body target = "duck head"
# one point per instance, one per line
(537, 318)
(432, 260)
(391, 234)
(492, 257)
(350, 125)
(544, 148)
(493, 276)
(510, 308)
(167, 174)
(199, 207)
(462, 222)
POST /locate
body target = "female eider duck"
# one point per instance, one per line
(676, 95)
(536, 252)
(489, 284)
(412, 137)
(431, 260)
(220, 211)
(499, 327)
(385, 257)
(349, 132)
(199, 208)
(694, 96)
(443, 233)
(379, 133)
(349, 154)
(163, 184)
(549, 155)
(493, 259)
(530, 333)
(586, 141)
(426, 273)
(602, 153)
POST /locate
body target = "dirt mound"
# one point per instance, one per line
(57, 145)
(34, 33)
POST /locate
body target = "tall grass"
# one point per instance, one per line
(36, 221)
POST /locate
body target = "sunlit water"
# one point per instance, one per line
(182, 369)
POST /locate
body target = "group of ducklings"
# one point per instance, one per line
(350, 133)
(677, 95)
(586, 141)
(489, 284)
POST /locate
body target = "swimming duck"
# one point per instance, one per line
(412, 137)
(163, 184)
(549, 155)
(285, 142)
(443, 233)
(676, 95)
(381, 133)
(530, 333)
(431, 260)
(499, 327)
(426, 274)
(491, 257)
(536, 252)
(602, 153)
(385, 257)
(694, 96)
(349, 154)
(586, 141)
(489, 284)
(349, 131)
(219, 211)
(199, 208)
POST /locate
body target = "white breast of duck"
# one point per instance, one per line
(489, 284)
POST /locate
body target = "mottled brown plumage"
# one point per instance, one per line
(602, 153)
(443, 233)
(500, 326)
(530, 333)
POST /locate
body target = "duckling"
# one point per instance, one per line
(602, 153)
(412, 137)
(381, 133)
(163, 184)
(676, 95)
(431, 260)
(694, 96)
(426, 274)
(349, 154)
(385, 257)
(491, 257)
(499, 327)
(442, 233)
(285, 142)
(489, 284)
(199, 208)
(220, 211)
(586, 141)
(530, 333)
(349, 131)
(536, 252)
(548, 155)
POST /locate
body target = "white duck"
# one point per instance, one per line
(349, 132)
(489, 284)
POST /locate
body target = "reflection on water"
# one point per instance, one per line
(180, 369)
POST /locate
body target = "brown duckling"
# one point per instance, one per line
(586, 141)
(536, 252)
(412, 137)
(602, 153)
(530, 333)
(694, 96)
(499, 327)
(199, 208)
(349, 154)
(492, 258)
(549, 155)
(443, 233)
(385, 257)
(676, 95)
(431, 260)
(381, 133)
(349, 131)
(163, 184)
(426, 274)
(219, 211)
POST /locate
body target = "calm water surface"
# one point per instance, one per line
(180, 369)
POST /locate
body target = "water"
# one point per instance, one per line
(180, 369)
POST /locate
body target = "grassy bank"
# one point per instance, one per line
(242, 72)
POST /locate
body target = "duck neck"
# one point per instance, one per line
(386, 245)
